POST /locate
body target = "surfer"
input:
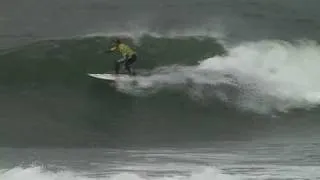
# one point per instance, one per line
(128, 56)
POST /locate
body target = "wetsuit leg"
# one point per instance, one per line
(118, 63)
(129, 62)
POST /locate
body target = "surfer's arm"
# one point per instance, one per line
(111, 49)
(121, 60)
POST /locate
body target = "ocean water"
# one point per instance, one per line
(225, 90)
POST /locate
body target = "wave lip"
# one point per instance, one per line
(284, 71)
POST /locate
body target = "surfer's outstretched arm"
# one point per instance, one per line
(111, 50)
(121, 60)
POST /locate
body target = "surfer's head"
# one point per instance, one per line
(116, 41)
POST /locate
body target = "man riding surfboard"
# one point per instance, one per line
(128, 56)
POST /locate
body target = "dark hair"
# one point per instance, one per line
(117, 41)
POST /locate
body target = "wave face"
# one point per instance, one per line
(188, 88)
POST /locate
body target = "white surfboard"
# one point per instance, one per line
(111, 77)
